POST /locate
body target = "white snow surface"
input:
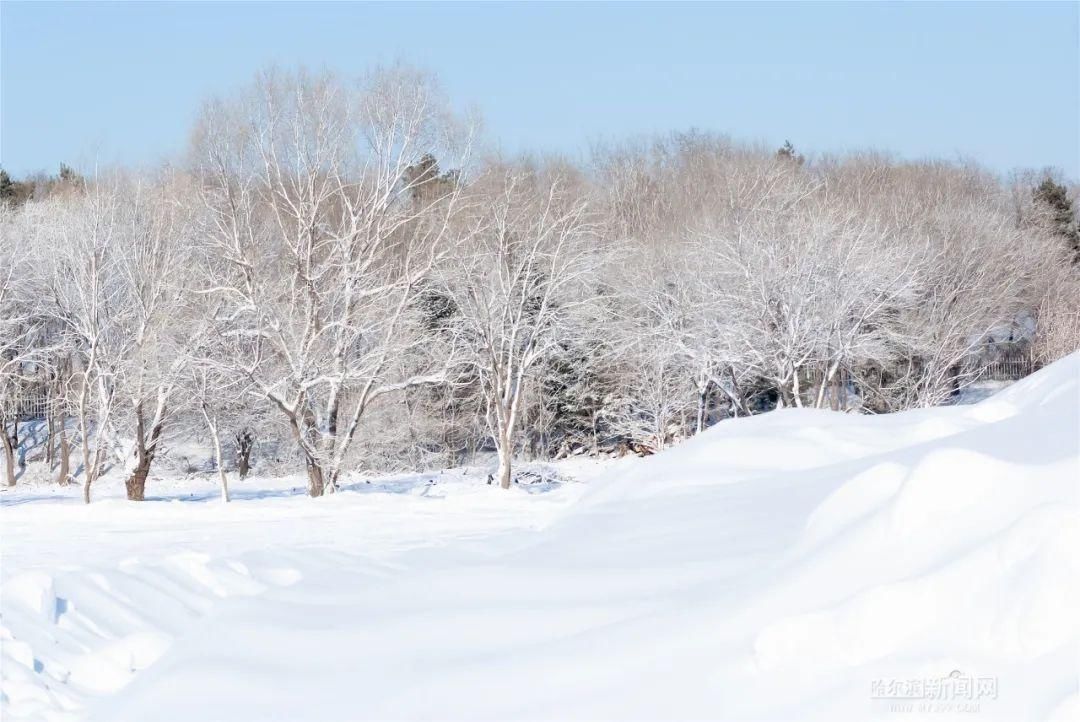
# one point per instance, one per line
(799, 564)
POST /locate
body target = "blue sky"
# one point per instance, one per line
(89, 83)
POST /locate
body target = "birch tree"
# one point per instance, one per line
(18, 324)
(154, 261)
(86, 296)
(515, 285)
(321, 240)
(115, 268)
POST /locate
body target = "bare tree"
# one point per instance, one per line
(980, 274)
(321, 239)
(332, 255)
(154, 262)
(115, 271)
(515, 286)
(86, 296)
(1059, 323)
(18, 326)
(211, 389)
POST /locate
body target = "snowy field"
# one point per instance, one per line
(798, 564)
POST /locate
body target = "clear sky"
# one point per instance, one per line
(86, 82)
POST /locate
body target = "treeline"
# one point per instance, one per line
(341, 267)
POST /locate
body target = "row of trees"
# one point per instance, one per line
(310, 271)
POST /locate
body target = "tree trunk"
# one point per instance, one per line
(9, 457)
(736, 394)
(50, 439)
(829, 375)
(503, 474)
(145, 452)
(701, 410)
(65, 453)
(507, 418)
(136, 483)
(820, 396)
(315, 478)
(89, 464)
(316, 487)
(331, 470)
(245, 441)
(212, 425)
(796, 392)
(220, 463)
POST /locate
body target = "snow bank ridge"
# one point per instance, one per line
(94, 634)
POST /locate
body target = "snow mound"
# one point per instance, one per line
(800, 564)
(78, 632)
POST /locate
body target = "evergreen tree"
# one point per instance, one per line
(787, 152)
(7, 187)
(69, 178)
(13, 191)
(426, 182)
(575, 389)
(1054, 198)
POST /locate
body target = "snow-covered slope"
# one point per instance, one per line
(796, 564)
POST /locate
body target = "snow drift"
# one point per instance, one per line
(799, 564)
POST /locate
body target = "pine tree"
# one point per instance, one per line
(787, 152)
(426, 182)
(1054, 197)
(8, 191)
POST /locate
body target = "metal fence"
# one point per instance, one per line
(34, 403)
(1010, 366)
(999, 365)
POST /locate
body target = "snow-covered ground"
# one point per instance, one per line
(799, 564)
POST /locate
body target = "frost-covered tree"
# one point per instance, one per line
(329, 254)
(515, 284)
(86, 296)
(116, 273)
(19, 325)
(1054, 201)
(320, 242)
